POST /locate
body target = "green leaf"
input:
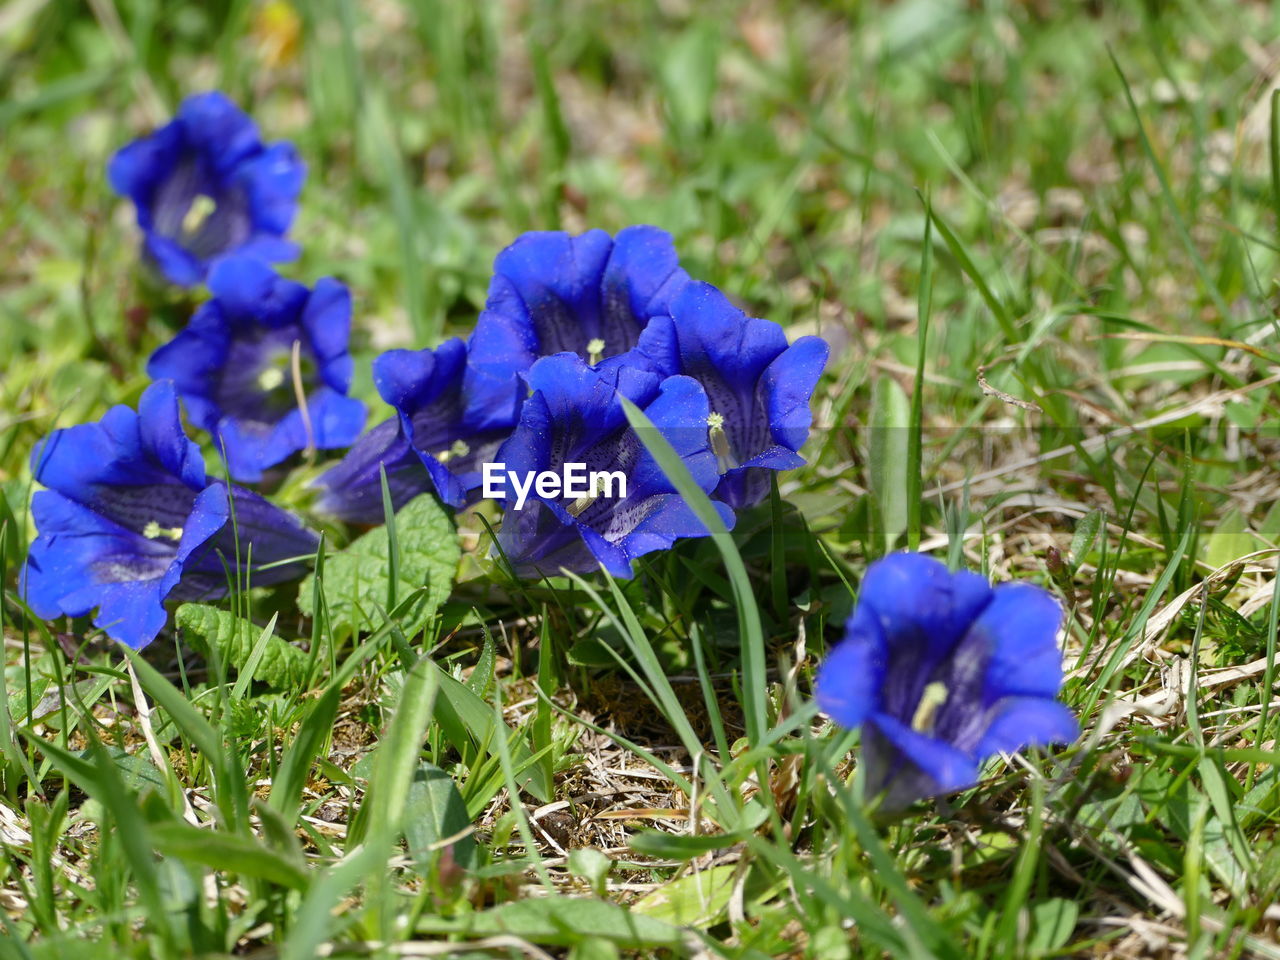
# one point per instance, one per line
(1085, 536)
(356, 580)
(672, 846)
(889, 457)
(206, 627)
(233, 853)
(1052, 923)
(467, 719)
(562, 921)
(698, 900)
(434, 811)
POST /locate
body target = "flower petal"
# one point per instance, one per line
(918, 766)
(849, 680)
(1021, 722)
(1020, 626)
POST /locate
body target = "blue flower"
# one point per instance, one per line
(574, 415)
(551, 292)
(351, 490)
(452, 425)
(204, 185)
(233, 366)
(759, 387)
(129, 521)
(941, 671)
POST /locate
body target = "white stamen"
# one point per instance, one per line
(595, 350)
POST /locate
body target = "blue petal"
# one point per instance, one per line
(250, 291)
(849, 680)
(193, 360)
(135, 169)
(265, 247)
(408, 379)
(666, 518)
(176, 264)
(273, 540)
(351, 490)
(71, 539)
(680, 414)
(917, 600)
(336, 419)
(788, 384)
(538, 542)
(272, 181)
(1020, 626)
(557, 280)
(327, 320)
(641, 279)
(219, 129)
(919, 766)
(162, 437)
(1021, 722)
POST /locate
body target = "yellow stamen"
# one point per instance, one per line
(595, 350)
(270, 378)
(575, 508)
(933, 697)
(153, 531)
(720, 442)
(459, 448)
(201, 209)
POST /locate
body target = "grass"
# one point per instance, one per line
(1079, 204)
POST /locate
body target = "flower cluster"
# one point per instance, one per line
(940, 670)
(571, 325)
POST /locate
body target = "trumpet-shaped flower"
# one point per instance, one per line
(204, 185)
(759, 386)
(452, 425)
(941, 671)
(242, 361)
(351, 490)
(590, 294)
(575, 415)
(129, 521)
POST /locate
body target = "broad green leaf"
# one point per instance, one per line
(356, 579)
(1052, 923)
(281, 664)
(698, 900)
(434, 811)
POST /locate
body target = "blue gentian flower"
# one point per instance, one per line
(233, 366)
(591, 294)
(575, 415)
(452, 425)
(445, 429)
(129, 520)
(204, 185)
(759, 387)
(942, 670)
(351, 490)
